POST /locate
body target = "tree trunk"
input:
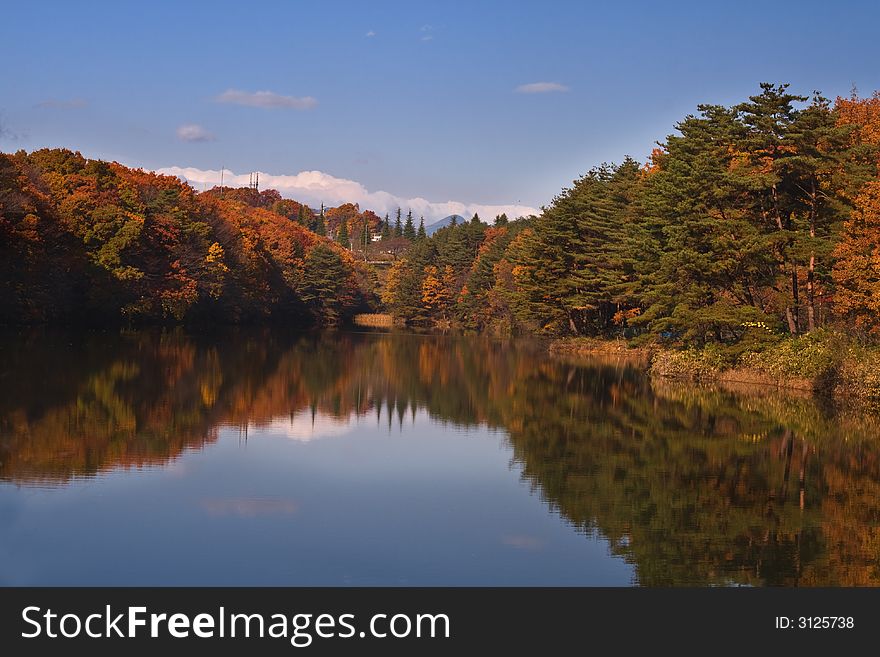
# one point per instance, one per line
(811, 287)
(792, 327)
(791, 311)
(811, 304)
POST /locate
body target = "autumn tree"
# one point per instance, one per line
(857, 270)
(437, 289)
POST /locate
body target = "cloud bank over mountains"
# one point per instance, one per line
(316, 187)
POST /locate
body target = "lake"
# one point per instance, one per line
(259, 457)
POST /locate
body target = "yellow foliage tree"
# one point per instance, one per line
(437, 289)
(392, 282)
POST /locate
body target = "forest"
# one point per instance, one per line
(747, 224)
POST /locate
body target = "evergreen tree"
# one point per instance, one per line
(409, 230)
(767, 121)
(422, 234)
(408, 300)
(302, 216)
(501, 219)
(475, 220)
(386, 228)
(342, 236)
(454, 248)
(603, 275)
(702, 260)
(571, 270)
(822, 161)
(323, 278)
(398, 226)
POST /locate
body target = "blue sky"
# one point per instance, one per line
(424, 101)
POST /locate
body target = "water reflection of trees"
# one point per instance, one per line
(692, 486)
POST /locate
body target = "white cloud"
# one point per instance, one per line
(316, 187)
(370, 34)
(428, 37)
(193, 133)
(265, 100)
(540, 88)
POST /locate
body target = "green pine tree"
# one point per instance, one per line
(409, 230)
(386, 228)
(322, 285)
(342, 236)
(302, 216)
(422, 234)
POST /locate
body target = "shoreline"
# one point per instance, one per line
(842, 374)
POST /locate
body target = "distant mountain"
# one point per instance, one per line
(443, 223)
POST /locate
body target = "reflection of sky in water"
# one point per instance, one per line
(306, 426)
(306, 499)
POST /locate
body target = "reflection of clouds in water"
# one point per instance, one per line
(305, 427)
(523, 542)
(249, 507)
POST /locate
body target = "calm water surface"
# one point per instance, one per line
(257, 457)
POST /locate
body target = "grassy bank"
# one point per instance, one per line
(822, 363)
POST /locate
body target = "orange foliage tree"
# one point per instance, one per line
(857, 270)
